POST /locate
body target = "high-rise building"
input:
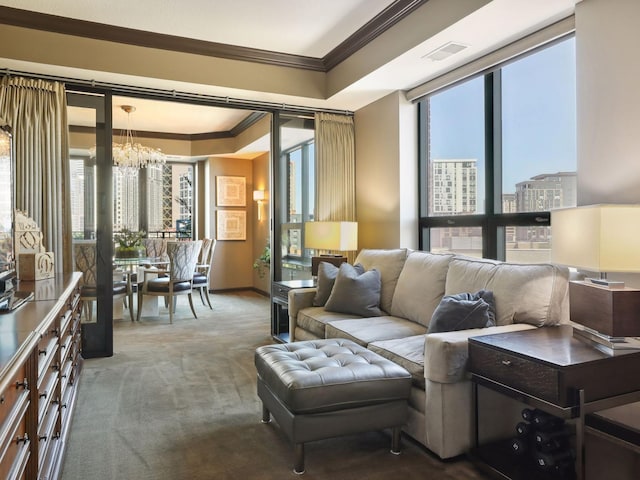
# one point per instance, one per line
(453, 186)
(546, 191)
(125, 200)
(154, 197)
(453, 191)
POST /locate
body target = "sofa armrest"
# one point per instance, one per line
(299, 298)
(446, 354)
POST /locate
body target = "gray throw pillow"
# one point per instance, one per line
(464, 311)
(327, 273)
(355, 293)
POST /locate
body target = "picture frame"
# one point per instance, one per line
(231, 225)
(231, 191)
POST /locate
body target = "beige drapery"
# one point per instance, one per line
(37, 113)
(335, 169)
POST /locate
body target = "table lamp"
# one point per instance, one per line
(328, 237)
(604, 239)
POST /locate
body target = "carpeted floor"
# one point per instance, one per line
(179, 402)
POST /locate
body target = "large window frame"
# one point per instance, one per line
(493, 222)
(301, 259)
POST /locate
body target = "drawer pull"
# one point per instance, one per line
(42, 352)
(506, 363)
(24, 384)
(23, 439)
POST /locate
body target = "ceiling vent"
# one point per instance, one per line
(445, 51)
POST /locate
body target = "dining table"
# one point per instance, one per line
(132, 269)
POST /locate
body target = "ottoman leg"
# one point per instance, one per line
(266, 416)
(298, 467)
(395, 441)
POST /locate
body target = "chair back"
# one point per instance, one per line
(85, 260)
(155, 248)
(206, 252)
(183, 258)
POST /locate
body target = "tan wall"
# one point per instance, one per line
(129, 62)
(233, 259)
(386, 172)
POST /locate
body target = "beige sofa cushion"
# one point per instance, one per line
(407, 352)
(315, 319)
(420, 286)
(468, 275)
(366, 330)
(532, 294)
(524, 293)
(389, 263)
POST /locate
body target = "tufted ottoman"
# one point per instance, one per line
(325, 388)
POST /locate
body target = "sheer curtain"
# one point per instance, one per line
(335, 169)
(37, 113)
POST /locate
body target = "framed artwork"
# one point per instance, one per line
(231, 225)
(231, 191)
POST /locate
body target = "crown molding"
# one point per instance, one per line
(99, 31)
(368, 32)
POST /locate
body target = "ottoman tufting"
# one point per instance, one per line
(325, 388)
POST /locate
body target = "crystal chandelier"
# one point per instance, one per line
(130, 155)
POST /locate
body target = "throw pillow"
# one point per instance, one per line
(327, 273)
(464, 311)
(355, 293)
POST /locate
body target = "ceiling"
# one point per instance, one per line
(305, 28)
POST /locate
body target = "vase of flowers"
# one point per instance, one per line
(129, 243)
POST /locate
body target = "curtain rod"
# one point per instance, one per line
(176, 95)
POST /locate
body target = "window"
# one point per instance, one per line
(300, 197)
(498, 154)
(167, 208)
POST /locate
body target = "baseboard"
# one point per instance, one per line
(241, 289)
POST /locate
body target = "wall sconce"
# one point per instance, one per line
(259, 196)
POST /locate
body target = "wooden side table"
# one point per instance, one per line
(280, 306)
(551, 370)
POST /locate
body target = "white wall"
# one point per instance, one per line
(608, 101)
(608, 104)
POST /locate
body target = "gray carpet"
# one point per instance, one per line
(179, 402)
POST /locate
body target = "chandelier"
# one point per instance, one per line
(130, 155)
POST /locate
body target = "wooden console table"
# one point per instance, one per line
(39, 367)
(550, 370)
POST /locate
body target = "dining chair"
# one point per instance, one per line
(85, 262)
(155, 248)
(178, 280)
(203, 269)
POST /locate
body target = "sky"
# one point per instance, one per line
(539, 118)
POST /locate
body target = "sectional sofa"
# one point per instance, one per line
(412, 286)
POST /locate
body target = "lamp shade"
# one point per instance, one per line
(597, 238)
(342, 236)
(259, 195)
